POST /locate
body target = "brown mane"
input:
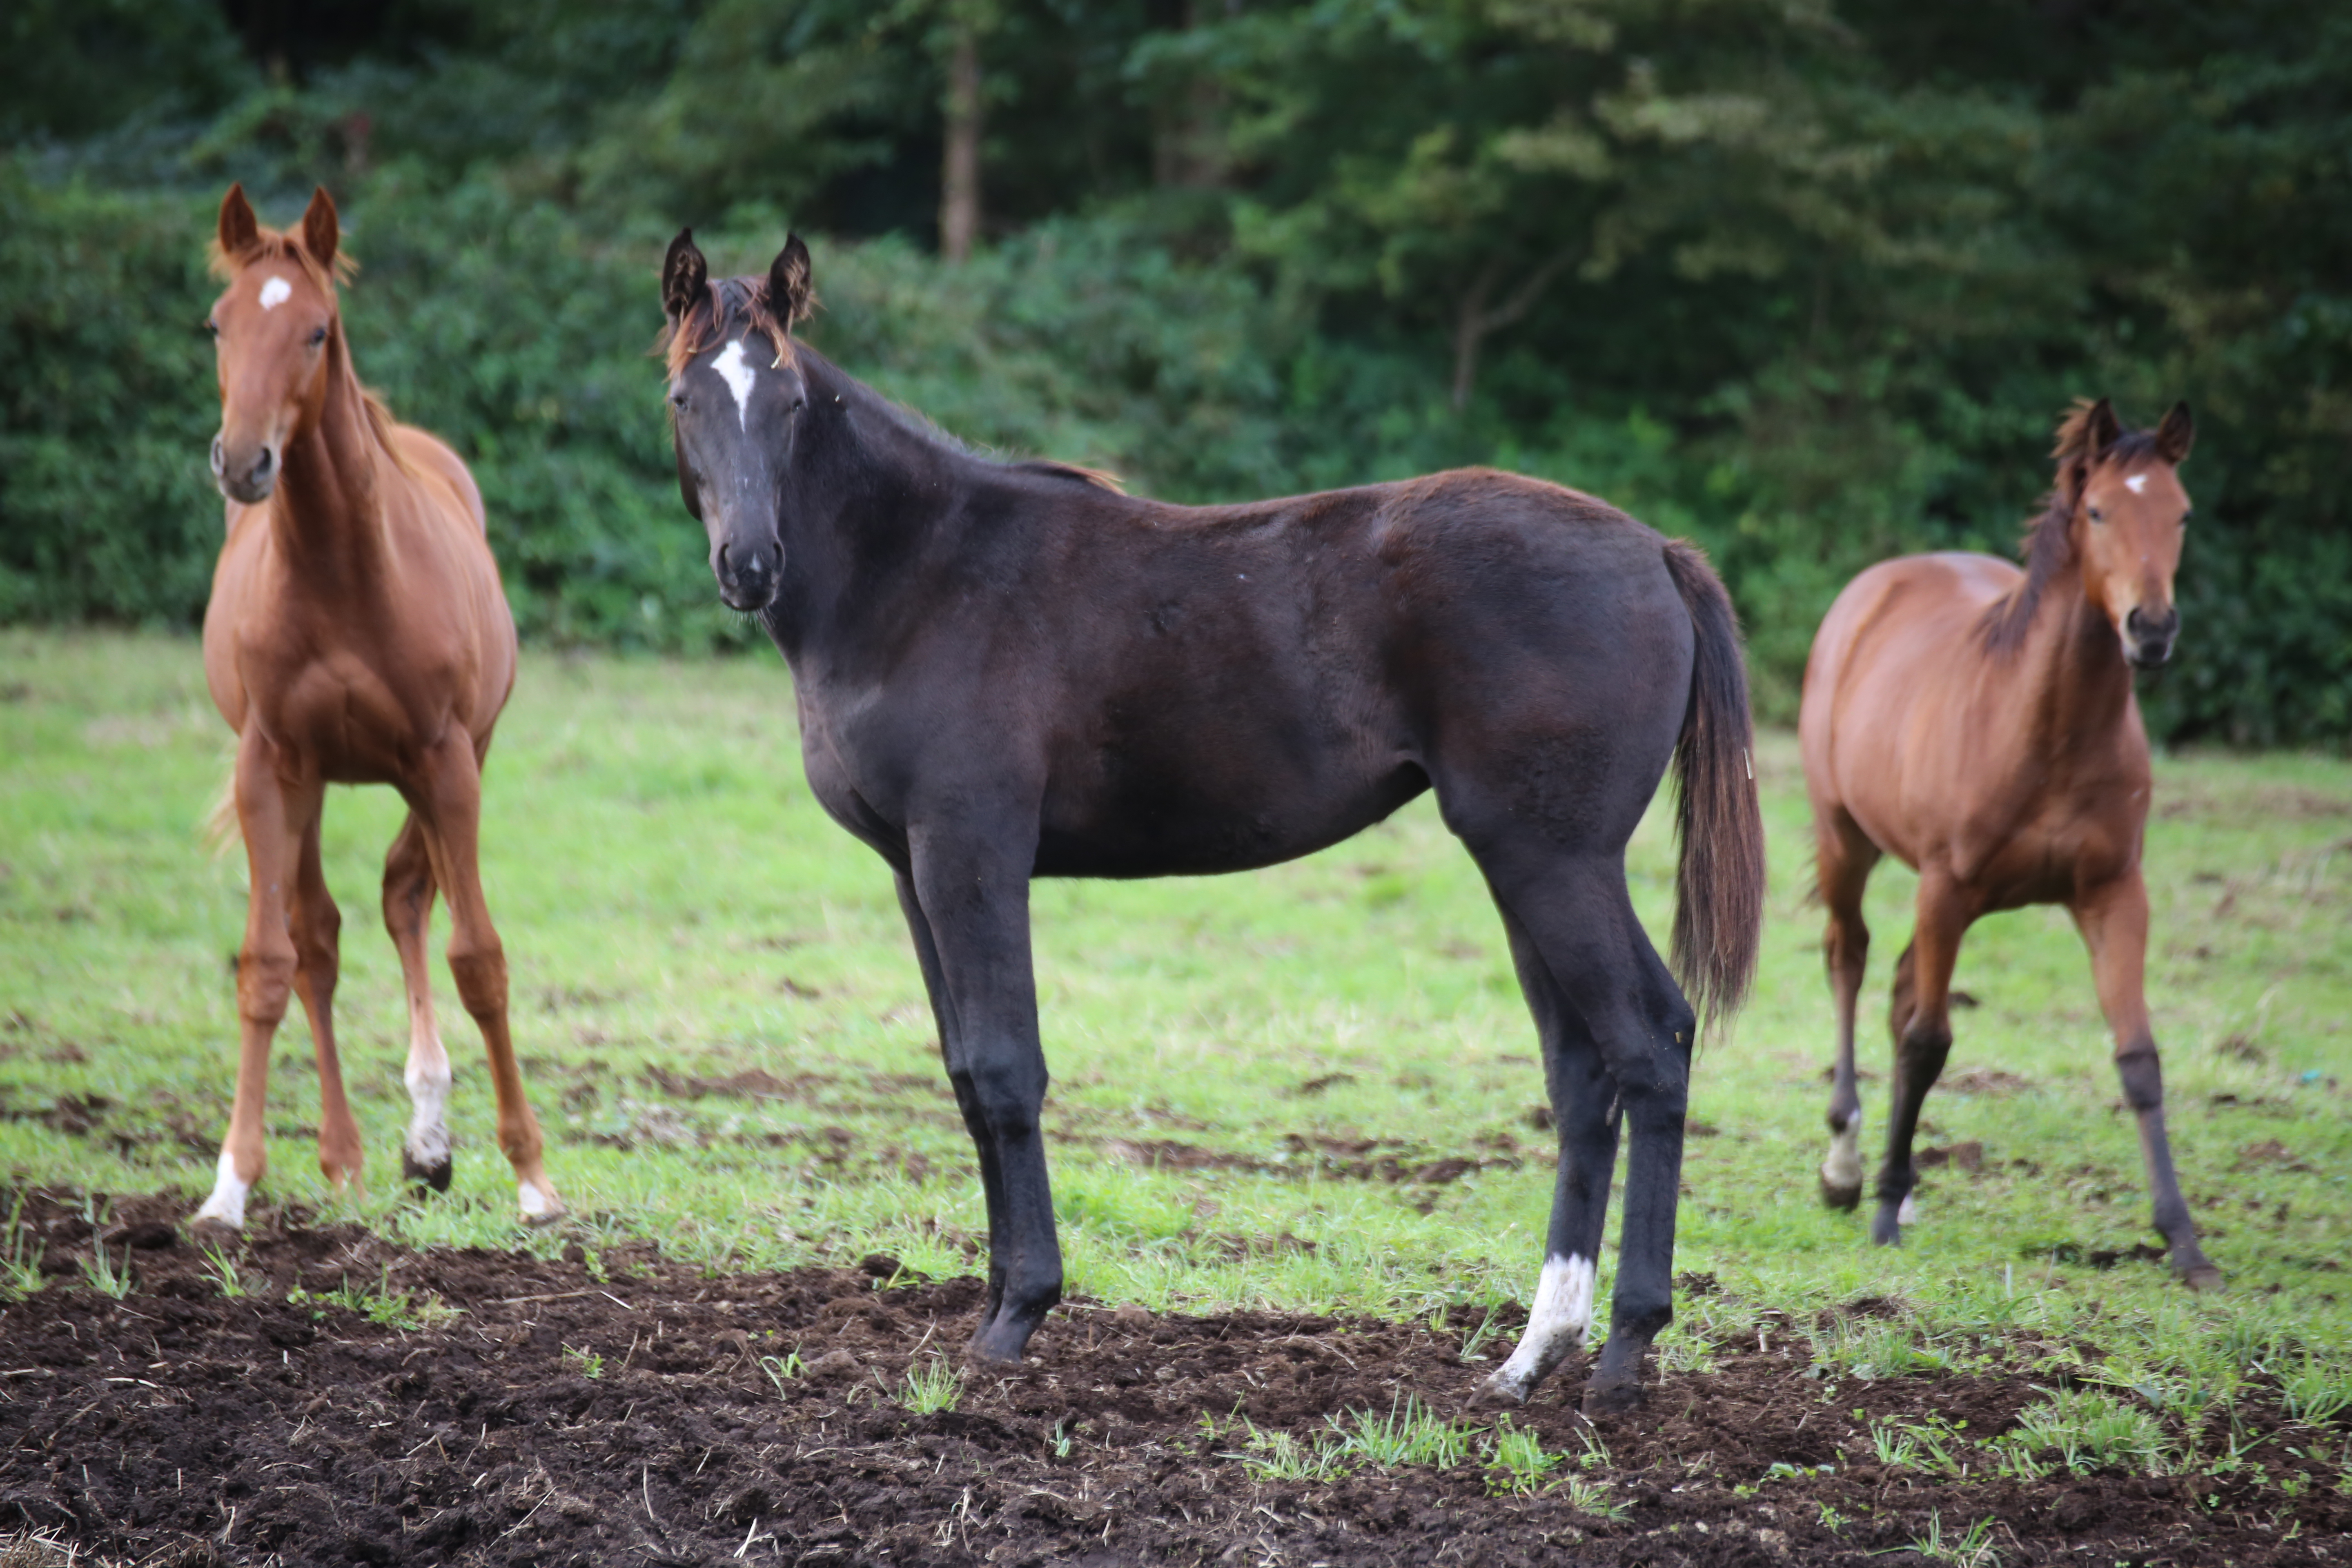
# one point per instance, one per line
(2048, 545)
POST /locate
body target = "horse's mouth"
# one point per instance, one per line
(747, 599)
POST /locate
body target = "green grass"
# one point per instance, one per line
(1238, 1061)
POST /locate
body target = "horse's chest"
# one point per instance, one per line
(343, 720)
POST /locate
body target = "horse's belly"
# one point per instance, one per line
(1158, 835)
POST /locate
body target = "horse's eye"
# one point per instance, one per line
(318, 336)
(677, 400)
(2098, 516)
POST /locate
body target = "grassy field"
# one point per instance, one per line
(1309, 1088)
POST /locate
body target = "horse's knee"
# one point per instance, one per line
(1009, 1099)
(265, 984)
(480, 972)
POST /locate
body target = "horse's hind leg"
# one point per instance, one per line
(1923, 1040)
(316, 927)
(2114, 922)
(271, 815)
(408, 891)
(1579, 919)
(1586, 1114)
(452, 802)
(1846, 856)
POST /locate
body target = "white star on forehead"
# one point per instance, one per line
(2135, 483)
(738, 375)
(276, 291)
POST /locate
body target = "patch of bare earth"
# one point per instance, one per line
(648, 1413)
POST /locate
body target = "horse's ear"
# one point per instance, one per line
(2175, 435)
(2101, 430)
(320, 231)
(239, 227)
(792, 292)
(685, 275)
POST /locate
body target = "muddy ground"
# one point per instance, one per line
(535, 1413)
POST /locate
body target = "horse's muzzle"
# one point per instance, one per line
(245, 479)
(746, 582)
(2149, 638)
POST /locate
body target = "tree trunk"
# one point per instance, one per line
(959, 164)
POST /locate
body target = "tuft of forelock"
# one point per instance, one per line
(276, 245)
(725, 302)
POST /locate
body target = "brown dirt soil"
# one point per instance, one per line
(555, 1417)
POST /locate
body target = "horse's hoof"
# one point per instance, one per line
(212, 1231)
(1615, 1397)
(2203, 1277)
(1886, 1230)
(555, 1214)
(435, 1177)
(1839, 1196)
(1499, 1392)
(539, 1205)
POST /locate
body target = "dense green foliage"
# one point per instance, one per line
(1807, 281)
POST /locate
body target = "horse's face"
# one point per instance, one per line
(2128, 528)
(271, 327)
(736, 407)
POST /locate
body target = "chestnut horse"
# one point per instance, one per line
(1010, 670)
(1977, 722)
(357, 634)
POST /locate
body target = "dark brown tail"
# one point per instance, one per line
(1719, 885)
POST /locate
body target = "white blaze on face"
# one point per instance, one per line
(226, 1205)
(2135, 483)
(736, 370)
(1563, 1311)
(275, 292)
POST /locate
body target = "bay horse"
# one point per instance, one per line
(1012, 670)
(357, 634)
(1977, 721)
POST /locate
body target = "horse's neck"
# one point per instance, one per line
(2080, 686)
(872, 499)
(326, 510)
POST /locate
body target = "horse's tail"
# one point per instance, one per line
(1719, 884)
(219, 829)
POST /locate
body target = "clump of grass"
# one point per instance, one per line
(2317, 1391)
(782, 1369)
(221, 1268)
(1409, 1434)
(1930, 1445)
(1519, 1463)
(381, 1304)
(934, 1387)
(1973, 1550)
(1678, 1349)
(1874, 1348)
(1592, 1497)
(20, 1262)
(2089, 1429)
(106, 1278)
(584, 1361)
(1284, 1456)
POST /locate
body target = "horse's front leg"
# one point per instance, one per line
(2114, 922)
(1922, 1042)
(972, 892)
(273, 814)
